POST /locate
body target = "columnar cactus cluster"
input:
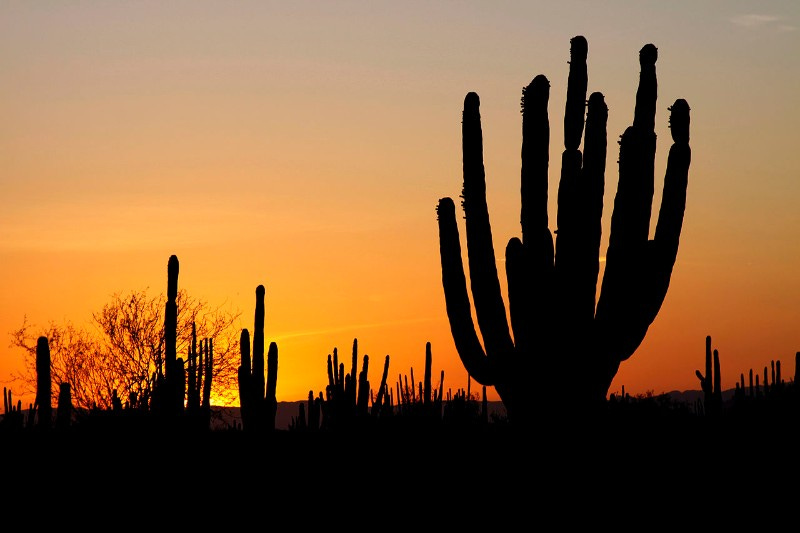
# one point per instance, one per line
(257, 395)
(567, 344)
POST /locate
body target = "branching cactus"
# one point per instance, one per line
(348, 395)
(257, 396)
(567, 343)
(199, 375)
(711, 383)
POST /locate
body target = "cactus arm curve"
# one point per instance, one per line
(535, 163)
(664, 247)
(489, 306)
(457, 303)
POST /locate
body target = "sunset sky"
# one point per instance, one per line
(304, 146)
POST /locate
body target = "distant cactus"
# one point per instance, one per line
(173, 368)
(310, 422)
(13, 419)
(257, 394)
(64, 409)
(347, 394)
(711, 382)
(199, 375)
(43, 384)
(557, 329)
(381, 405)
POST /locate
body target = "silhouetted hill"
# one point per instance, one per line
(228, 416)
(691, 396)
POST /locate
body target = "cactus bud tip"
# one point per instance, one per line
(648, 55)
(679, 121)
(578, 48)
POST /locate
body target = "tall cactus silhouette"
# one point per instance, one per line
(171, 387)
(257, 396)
(43, 384)
(567, 343)
(711, 382)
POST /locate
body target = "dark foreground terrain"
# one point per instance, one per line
(626, 471)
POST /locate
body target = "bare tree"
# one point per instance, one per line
(121, 353)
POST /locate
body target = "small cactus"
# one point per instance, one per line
(711, 382)
(43, 384)
(257, 393)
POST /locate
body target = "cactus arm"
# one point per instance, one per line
(571, 161)
(577, 82)
(593, 183)
(644, 114)
(258, 344)
(637, 270)
(362, 396)
(630, 221)
(43, 383)
(244, 378)
(520, 306)
(717, 381)
(457, 302)
(534, 171)
(705, 381)
(535, 162)
(664, 247)
(489, 306)
(244, 348)
(272, 381)
(529, 263)
(208, 373)
(353, 368)
(426, 387)
(378, 403)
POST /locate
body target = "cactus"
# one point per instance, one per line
(13, 419)
(311, 421)
(174, 381)
(207, 367)
(380, 404)
(257, 395)
(340, 396)
(711, 383)
(565, 348)
(43, 384)
(199, 375)
(64, 409)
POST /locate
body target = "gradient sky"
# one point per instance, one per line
(304, 146)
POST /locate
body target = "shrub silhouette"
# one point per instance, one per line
(565, 349)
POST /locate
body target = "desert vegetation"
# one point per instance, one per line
(554, 372)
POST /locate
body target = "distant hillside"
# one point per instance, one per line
(228, 416)
(691, 396)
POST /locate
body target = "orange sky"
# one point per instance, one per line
(304, 146)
